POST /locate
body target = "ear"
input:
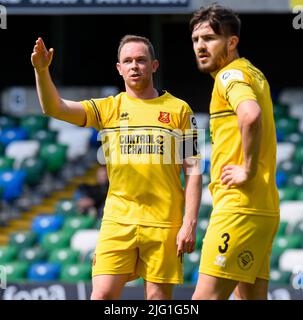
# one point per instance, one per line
(233, 42)
(155, 65)
(118, 66)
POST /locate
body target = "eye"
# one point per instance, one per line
(141, 60)
(127, 61)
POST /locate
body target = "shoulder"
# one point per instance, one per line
(178, 104)
(237, 71)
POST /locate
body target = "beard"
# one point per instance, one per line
(216, 63)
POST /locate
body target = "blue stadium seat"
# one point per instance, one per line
(93, 139)
(44, 271)
(43, 224)
(12, 134)
(12, 183)
(281, 179)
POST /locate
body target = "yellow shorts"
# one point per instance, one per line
(238, 246)
(141, 251)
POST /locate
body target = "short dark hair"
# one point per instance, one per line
(134, 38)
(222, 20)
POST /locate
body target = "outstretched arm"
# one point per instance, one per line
(51, 102)
(186, 238)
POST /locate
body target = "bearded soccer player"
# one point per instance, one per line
(237, 246)
(149, 221)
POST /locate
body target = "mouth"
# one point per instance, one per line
(203, 57)
(135, 76)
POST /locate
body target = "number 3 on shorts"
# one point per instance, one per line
(223, 249)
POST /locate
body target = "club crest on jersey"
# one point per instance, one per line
(164, 117)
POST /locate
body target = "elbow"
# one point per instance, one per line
(253, 119)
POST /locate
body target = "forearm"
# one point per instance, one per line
(193, 191)
(251, 131)
(49, 98)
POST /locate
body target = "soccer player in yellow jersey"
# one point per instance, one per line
(149, 221)
(237, 246)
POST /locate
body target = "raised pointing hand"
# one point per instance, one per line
(41, 57)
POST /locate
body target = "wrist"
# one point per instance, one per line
(250, 172)
(190, 221)
(41, 71)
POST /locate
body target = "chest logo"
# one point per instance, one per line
(164, 117)
(124, 116)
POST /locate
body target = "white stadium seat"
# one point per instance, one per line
(84, 240)
(291, 96)
(296, 110)
(206, 196)
(291, 259)
(77, 140)
(285, 151)
(291, 211)
(58, 125)
(20, 150)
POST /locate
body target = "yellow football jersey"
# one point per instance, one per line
(237, 82)
(143, 143)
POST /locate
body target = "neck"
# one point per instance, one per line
(143, 94)
(230, 58)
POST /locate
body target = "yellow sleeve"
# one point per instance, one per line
(235, 86)
(96, 112)
(239, 92)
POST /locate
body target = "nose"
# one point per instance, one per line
(134, 64)
(201, 45)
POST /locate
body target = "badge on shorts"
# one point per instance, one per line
(245, 260)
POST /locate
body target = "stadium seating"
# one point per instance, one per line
(44, 271)
(54, 154)
(7, 254)
(72, 224)
(34, 123)
(285, 151)
(12, 134)
(291, 259)
(35, 169)
(6, 163)
(64, 256)
(43, 224)
(32, 255)
(7, 122)
(66, 207)
(55, 240)
(191, 261)
(44, 136)
(22, 239)
(20, 150)
(279, 277)
(12, 183)
(291, 211)
(16, 271)
(84, 240)
(77, 140)
(73, 273)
